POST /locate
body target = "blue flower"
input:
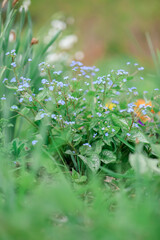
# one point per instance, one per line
(44, 81)
(21, 100)
(3, 98)
(34, 142)
(87, 144)
(141, 68)
(51, 88)
(13, 64)
(14, 107)
(61, 102)
(114, 101)
(99, 114)
(30, 99)
(13, 80)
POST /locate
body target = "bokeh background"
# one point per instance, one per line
(107, 29)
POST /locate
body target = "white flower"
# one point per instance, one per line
(68, 42)
(58, 24)
(79, 55)
(25, 5)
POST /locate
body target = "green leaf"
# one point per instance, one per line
(93, 162)
(97, 146)
(77, 178)
(69, 152)
(51, 42)
(120, 122)
(41, 95)
(38, 116)
(126, 143)
(143, 164)
(140, 136)
(156, 149)
(129, 78)
(108, 156)
(77, 139)
(11, 87)
(25, 111)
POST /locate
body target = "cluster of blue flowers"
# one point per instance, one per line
(71, 97)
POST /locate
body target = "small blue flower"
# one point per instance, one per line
(141, 68)
(61, 102)
(14, 107)
(44, 81)
(29, 59)
(4, 80)
(30, 99)
(51, 88)
(114, 101)
(13, 64)
(128, 134)
(106, 112)
(34, 142)
(3, 98)
(21, 100)
(87, 144)
(94, 135)
(41, 88)
(99, 114)
(13, 80)
(13, 51)
(106, 134)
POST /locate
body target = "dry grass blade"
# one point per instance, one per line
(14, 2)
(4, 3)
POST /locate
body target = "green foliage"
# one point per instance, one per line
(79, 157)
(87, 121)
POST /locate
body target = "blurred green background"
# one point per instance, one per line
(107, 28)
